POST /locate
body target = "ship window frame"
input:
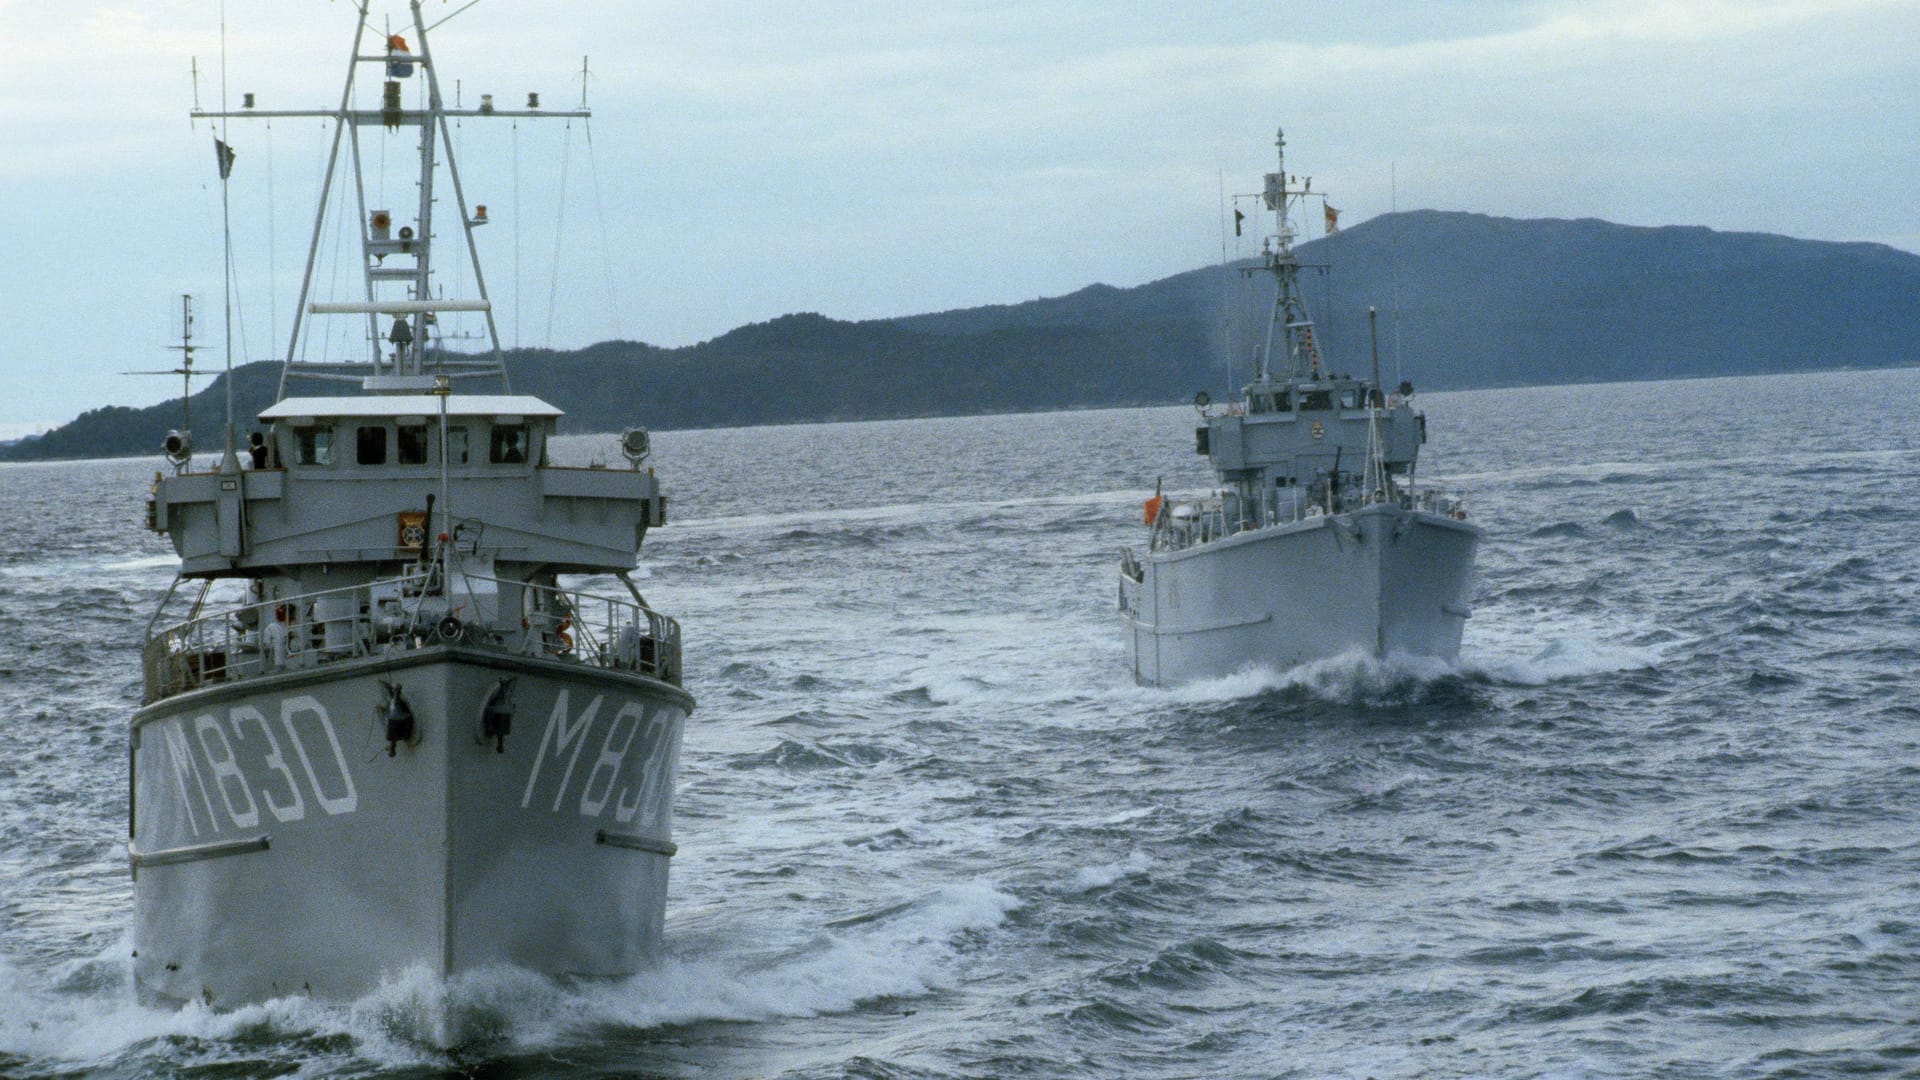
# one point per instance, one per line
(313, 445)
(370, 444)
(501, 442)
(401, 446)
(459, 446)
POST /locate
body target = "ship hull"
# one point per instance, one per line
(1382, 580)
(279, 848)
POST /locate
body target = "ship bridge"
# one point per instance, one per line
(1299, 432)
(346, 482)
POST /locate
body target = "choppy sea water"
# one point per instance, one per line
(1663, 818)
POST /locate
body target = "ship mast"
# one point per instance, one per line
(400, 359)
(179, 442)
(1289, 316)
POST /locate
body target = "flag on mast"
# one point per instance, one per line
(399, 58)
(1333, 217)
(223, 154)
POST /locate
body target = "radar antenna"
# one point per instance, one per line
(185, 370)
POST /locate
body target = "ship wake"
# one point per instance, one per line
(1360, 678)
(86, 1017)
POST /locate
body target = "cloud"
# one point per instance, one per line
(860, 158)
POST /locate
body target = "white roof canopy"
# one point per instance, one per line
(463, 405)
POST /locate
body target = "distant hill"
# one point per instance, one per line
(1481, 301)
(1493, 301)
(118, 431)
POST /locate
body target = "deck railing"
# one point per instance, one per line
(1193, 522)
(394, 616)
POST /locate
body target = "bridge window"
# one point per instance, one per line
(1349, 398)
(457, 446)
(371, 446)
(313, 446)
(1283, 402)
(508, 445)
(411, 445)
(1316, 399)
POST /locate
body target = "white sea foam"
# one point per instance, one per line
(950, 688)
(1568, 658)
(149, 562)
(1099, 877)
(1346, 677)
(1523, 659)
(44, 1019)
(901, 512)
(64, 569)
(905, 952)
(1530, 648)
(1127, 816)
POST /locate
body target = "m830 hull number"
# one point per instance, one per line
(285, 762)
(232, 773)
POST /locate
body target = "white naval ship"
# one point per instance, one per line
(403, 740)
(1316, 543)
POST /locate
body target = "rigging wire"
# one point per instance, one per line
(341, 215)
(334, 265)
(238, 313)
(1393, 206)
(559, 229)
(455, 138)
(450, 16)
(614, 308)
(322, 156)
(273, 256)
(515, 155)
(1226, 290)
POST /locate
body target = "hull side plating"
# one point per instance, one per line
(1381, 580)
(278, 848)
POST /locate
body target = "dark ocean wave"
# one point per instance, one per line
(791, 756)
(1188, 965)
(1667, 995)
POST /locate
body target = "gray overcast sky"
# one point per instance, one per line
(751, 159)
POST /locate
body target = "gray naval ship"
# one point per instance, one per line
(381, 731)
(1317, 542)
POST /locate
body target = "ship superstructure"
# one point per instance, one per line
(1316, 541)
(407, 737)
